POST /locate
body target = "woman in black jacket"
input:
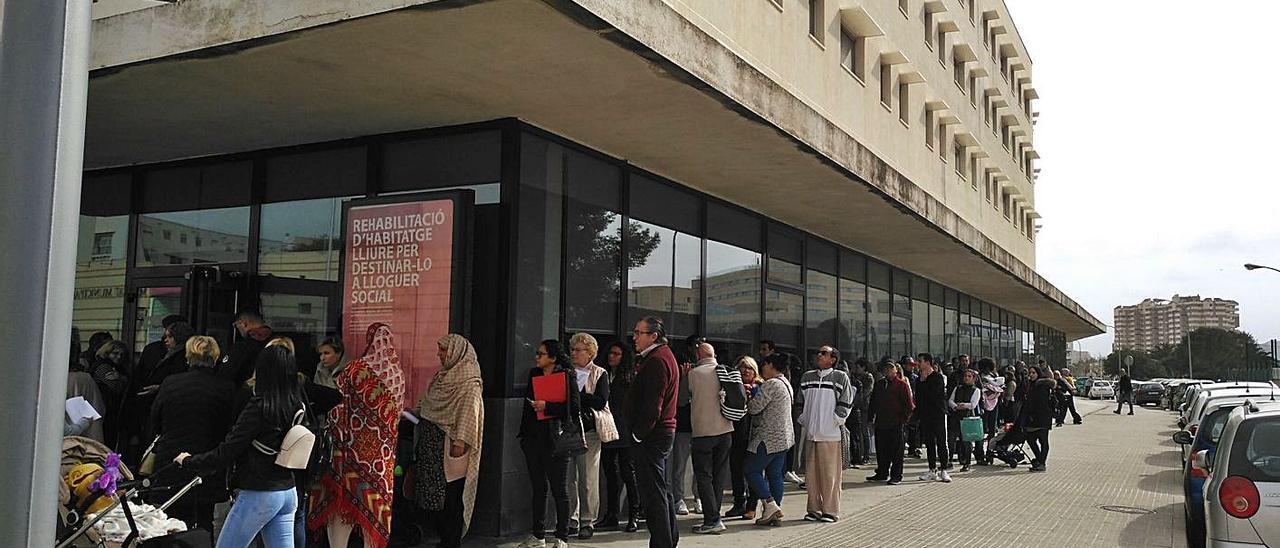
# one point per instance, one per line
(110, 373)
(191, 412)
(266, 500)
(1037, 415)
(616, 456)
(546, 466)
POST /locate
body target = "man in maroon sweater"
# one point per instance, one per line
(891, 408)
(651, 409)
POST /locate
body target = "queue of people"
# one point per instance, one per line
(609, 436)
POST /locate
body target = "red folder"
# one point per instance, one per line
(551, 389)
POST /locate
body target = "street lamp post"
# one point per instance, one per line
(1251, 266)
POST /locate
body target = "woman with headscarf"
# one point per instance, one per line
(450, 439)
(357, 489)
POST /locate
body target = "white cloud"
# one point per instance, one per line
(1158, 131)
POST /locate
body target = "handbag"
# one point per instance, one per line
(567, 438)
(971, 429)
(295, 448)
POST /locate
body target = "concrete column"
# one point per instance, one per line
(44, 58)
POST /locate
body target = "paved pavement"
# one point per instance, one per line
(1112, 481)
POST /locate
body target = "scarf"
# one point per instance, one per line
(358, 486)
(454, 402)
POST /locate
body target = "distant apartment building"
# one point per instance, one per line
(1156, 322)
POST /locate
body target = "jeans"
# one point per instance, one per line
(1039, 442)
(889, 453)
(933, 432)
(765, 473)
(857, 437)
(678, 465)
(546, 469)
(619, 473)
(1067, 403)
(649, 456)
(268, 512)
(711, 469)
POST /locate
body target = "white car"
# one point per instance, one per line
(1101, 389)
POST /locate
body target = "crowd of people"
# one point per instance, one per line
(610, 435)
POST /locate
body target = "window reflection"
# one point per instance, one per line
(733, 293)
(593, 266)
(937, 339)
(301, 239)
(901, 326)
(101, 256)
(783, 311)
(853, 318)
(920, 328)
(305, 318)
(821, 309)
(664, 277)
(878, 315)
(194, 237)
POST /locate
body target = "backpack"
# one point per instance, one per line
(295, 449)
(733, 399)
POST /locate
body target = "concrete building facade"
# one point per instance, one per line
(841, 172)
(1157, 322)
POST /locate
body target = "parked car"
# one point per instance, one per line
(1185, 389)
(1101, 389)
(1194, 473)
(1170, 388)
(1148, 392)
(1218, 398)
(1197, 393)
(1242, 493)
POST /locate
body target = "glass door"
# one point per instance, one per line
(303, 310)
(149, 300)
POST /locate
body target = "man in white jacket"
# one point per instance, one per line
(827, 397)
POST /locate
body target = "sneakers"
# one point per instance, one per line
(877, 477)
(697, 506)
(964, 468)
(1038, 468)
(812, 516)
(931, 475)
(561, 544)
(944, 477)
(713, 529)
(895, 481)
(681, 509)
(828, 518)
(771, 514)
(736, 511)
(791, 477)
(532, 542)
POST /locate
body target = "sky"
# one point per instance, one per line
(1158, 124)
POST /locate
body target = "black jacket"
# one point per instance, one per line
(536, 431)
(192, 413)
(253, 470)
(931, 398)
(1125, 386)
(1038, 411)
(237, 363)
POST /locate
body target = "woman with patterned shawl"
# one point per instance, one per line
(357, 490)
(449, 448)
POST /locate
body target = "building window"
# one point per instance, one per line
(886, 85)
(973, 11)
(776, 4)
(182, 238)
(853, 54)
(957, 68)
(973, 171)
(942, 46)
(942, 141)
(904, 6)
(102, 243)
(973, 90)
(958, 156)
(928, 127)
(815, 19)
(927, 20)
(986, 108)
(168, 235)
(904, 102)
(987, 186)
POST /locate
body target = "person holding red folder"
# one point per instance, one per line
(552, 393)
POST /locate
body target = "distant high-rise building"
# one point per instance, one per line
(1156, 322)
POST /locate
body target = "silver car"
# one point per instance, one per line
(1242, 494)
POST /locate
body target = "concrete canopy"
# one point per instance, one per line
(635, 80)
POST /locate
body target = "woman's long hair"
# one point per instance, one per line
(556, 351)
(276, 382)
(626, 367)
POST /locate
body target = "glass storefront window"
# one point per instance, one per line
(540, 217)
(785, 255)
(664, 279)
(879, 308)
(937, 330)
(593, 253)
(101, 256)
(920, 328)
(820, 310)
(193, 237)
(783, 311)
(152, 305)
(853, 318)
(301, 239)
(304, 318)
(733, 296)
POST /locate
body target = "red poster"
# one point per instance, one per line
(397, 270)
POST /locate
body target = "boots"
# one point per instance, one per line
(770, 515)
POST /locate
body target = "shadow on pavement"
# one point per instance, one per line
(1167, 459)
(1154, 529)
(1164, 482)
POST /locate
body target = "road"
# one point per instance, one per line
(1112, 481)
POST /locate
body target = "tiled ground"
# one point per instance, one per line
(1119, 461)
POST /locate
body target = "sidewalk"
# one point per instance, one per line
(1112, 481)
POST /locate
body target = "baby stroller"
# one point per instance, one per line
(88, 504)
(1009, 446)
